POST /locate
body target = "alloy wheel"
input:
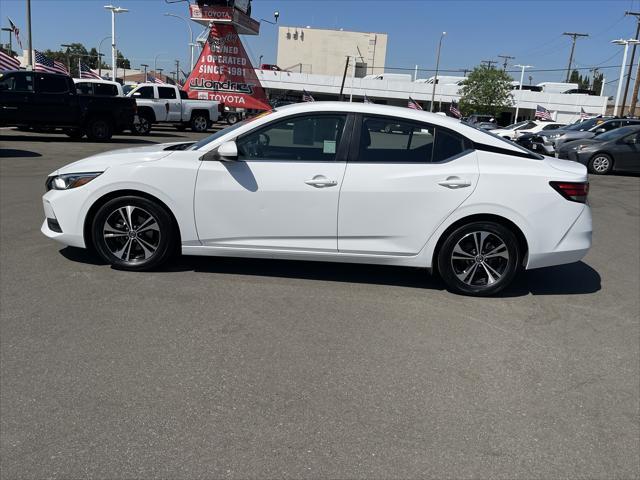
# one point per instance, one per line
(600, 164)
(200, 124)
(131, 234)
(480, 258)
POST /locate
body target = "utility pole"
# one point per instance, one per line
(634, 97)
(594, 71)
(633, 56)
(488, 63)
(344, 76)
(177, 79)
(506, 61)
(574, 36)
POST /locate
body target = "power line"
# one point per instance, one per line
(573, 36)
(506, 61)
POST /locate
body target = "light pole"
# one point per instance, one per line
(435, 79)
(626, 43)
(67, 46)
(515, 120)
(10, 30)
(29, 42)
(191, 44)
(100, 55)
(114, 10)
(155, 61)
(145, 71)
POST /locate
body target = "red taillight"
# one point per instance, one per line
(574, 191)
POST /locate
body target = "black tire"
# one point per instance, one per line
(99, 129)
(600, 164)
(181, 127)
(74, 133)
(142, 124)
(470, 272)
(232, 118)
(199, 122)
(150, 242)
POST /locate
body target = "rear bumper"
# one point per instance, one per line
(572, 247)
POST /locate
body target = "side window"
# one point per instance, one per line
(52, 84)
(184, 95)
(551, 127)
(84, 88)
(448, 144)
(526, 126)
(7, 83)
(609, 126)
(144, 92)
(299, 138)
(164, 92)
(106, 89)
(394, 140)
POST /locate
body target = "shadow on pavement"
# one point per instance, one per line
(64, 139)
(573, 279)
(13, 153)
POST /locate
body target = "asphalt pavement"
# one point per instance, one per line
(229, 368)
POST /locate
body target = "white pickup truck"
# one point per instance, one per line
(168, 104)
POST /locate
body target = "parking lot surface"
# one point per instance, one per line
(254, 368)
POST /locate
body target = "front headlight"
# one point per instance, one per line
(70, 180)
(582, 147)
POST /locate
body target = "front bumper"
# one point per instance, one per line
(62, 212)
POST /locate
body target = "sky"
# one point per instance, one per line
(476, 30)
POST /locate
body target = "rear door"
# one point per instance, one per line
(54, 103)
(168, 98)
(403, 178)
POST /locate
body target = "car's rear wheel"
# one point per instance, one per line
(232, 118)
(480, 258)
(199, 123)
(133, 233)
(142, 124)
(600, 164)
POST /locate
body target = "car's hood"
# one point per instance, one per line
(571, 135)
(581, 141)
(122, 156)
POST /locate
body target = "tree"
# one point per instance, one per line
(121, 61)
(486, 91)
(583, 82)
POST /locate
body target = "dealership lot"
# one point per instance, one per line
(254, 368)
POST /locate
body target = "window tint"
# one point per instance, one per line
(184, 95)
(144, 92)
(165, 92)
(527, 126)
(105, 89)
(52, 84)
(84, 88)
(299, 138)
(392, 140)
(16, 83)
(552, 127)
(448, 144)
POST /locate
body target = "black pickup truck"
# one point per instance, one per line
(49, 100)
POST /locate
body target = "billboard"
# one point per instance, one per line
(224, 72)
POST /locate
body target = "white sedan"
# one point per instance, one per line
(327, 181)
(515, 130)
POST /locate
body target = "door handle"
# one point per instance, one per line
(320, 181)
(454, 182)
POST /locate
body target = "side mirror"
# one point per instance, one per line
(600, 130)
(227, 152)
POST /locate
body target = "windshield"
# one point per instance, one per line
(529, 153)
(586, 125)
(614, 134)
(513, 126)
(224, 131)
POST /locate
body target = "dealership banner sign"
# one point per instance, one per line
(224, 72)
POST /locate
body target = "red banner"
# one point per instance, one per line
(224, 72)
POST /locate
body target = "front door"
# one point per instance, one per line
(16, 98)
(403, 179)
(172, 105)
(53, 102)
(281, 193)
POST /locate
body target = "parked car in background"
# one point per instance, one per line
(513, 131)
(169, 104)
(486, 125)
(328, 181)
(270, 66)
(598, 128)
(615, 150)
(476, 118)
(50, 100)
(93, 86)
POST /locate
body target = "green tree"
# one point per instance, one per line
(122, 61)
(583, 82)
(486, 91)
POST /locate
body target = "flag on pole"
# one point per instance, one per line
(413, 104)
(454, 110)
(583, 115)
(86, 72)
(16, 32)
(151, 79)
(367, 99)
(542, 113)
(7, 62)
(306, 97)
(45, 64)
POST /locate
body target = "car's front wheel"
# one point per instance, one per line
(600, 164)
(199, 123)
(133, 233)
(480, 258)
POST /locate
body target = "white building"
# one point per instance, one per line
(324, 51)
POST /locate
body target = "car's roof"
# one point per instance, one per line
(94, 80)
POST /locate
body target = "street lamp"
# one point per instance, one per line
(155, 61)
(145, 65)
(191, 44)
(515, 120)
(626, 43)
(435, 79)
(114, 10)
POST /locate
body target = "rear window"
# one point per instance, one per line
(52, 84)
(166, 92)
(106, 89)
(84, 88)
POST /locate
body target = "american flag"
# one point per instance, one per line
(367, 99)
(306, 97)
(454, 110)
(16, 32)
(152, 79)
(542, 113)
(86, 72)
(583, 115)
(7, 62)
(45, 64)
(413, 104)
